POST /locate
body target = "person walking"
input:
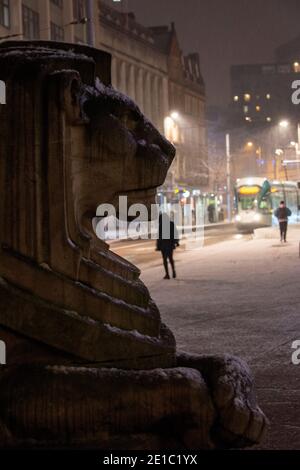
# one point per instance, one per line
(211, 213)
(167, 242)
(283, 213)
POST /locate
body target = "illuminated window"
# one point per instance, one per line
(258, 108)
(247, 97)
(248, 119)
(235, 98)
(268, 96)
(296, 67)
(246, 109)
(269, 119)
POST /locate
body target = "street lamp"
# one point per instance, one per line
(174, 115)
(228, 176)
(171, 129)
(278, 154)
(284, 124)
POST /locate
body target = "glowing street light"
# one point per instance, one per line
(296, 67)
(284, 124)
(174, 115)
(171, 128)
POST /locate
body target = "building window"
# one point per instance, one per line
(268, 69)
(235, 98)
(268, 96)
(284, 68)
(78, 9)
(4, 13)
(31, 23)
(247, 97)
(58, 3)
(57, 32)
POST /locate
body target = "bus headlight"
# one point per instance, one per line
(237, 218)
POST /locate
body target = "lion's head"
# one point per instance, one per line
(123, 150)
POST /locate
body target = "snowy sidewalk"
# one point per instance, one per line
(241, 297)
(293, 232)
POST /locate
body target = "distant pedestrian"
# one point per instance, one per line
(211, 212)
(221, 215)
(167, 242)
(283, 213)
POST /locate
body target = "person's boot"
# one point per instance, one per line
(174, 274)
(167, 276)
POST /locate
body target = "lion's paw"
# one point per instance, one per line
(240, 422)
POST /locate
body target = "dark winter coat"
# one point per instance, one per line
(282, 214)
(167, 235)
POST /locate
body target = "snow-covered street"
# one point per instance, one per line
(242, 297)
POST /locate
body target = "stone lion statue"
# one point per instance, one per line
(89, 361)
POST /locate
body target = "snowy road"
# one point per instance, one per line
(241, 296)
(142, 252)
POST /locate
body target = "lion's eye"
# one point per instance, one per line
(129, 121)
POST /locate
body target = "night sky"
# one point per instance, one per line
(224, 32)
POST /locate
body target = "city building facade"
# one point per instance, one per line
(185, 123)
(139, 68)
(264, 120)
(149, 66)
(58, 20)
